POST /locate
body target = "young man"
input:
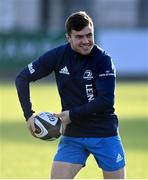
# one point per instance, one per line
(85, 77)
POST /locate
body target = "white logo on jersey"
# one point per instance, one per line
(30, 67)
(111, 72)
(88, 75)
(107, 73)
(89, 92)
(119, 158)
(64, 70)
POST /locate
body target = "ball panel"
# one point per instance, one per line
(46, 116)
(41, 130)
(47, 126)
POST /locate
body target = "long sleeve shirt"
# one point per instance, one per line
(86, 85)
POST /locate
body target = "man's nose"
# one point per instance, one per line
(85, 40)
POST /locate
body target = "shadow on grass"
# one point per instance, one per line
(134, 133)
(17, 132)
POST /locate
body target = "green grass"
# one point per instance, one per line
(22, 156)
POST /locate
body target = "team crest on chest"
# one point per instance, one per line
(88, 75)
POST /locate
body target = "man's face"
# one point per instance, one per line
(82, 41)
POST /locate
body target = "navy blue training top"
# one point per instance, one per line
(86, 85)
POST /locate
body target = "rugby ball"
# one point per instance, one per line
(47, 126)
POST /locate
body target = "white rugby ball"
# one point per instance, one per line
(47, 126)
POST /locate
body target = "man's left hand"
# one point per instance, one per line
(65, 119)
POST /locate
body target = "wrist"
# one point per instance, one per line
(28, 115)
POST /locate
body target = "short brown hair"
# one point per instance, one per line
(77, 21)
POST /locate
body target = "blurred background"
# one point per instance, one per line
(28, 28)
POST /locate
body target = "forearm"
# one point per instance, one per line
(23, 91)
(98, 105)
(103, 102)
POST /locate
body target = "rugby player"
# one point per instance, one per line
(85, 76)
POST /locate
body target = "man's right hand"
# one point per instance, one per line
(30, 125)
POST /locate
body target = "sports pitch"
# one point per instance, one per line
(24, 157)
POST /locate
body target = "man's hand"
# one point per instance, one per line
(65, 119)
(31, 126)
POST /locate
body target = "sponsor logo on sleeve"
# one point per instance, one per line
(31, 69)
(107, 73)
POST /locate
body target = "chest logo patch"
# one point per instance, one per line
(64, 70)
(88, 75)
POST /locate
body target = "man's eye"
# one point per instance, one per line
(89, 35)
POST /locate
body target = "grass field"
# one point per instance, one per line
(22, 156)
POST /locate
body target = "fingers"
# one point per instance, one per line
(64, 116)
(63, 128)
(31, 126)
(58, 115)
(63, 124)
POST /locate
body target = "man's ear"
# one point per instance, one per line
(68, 38)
